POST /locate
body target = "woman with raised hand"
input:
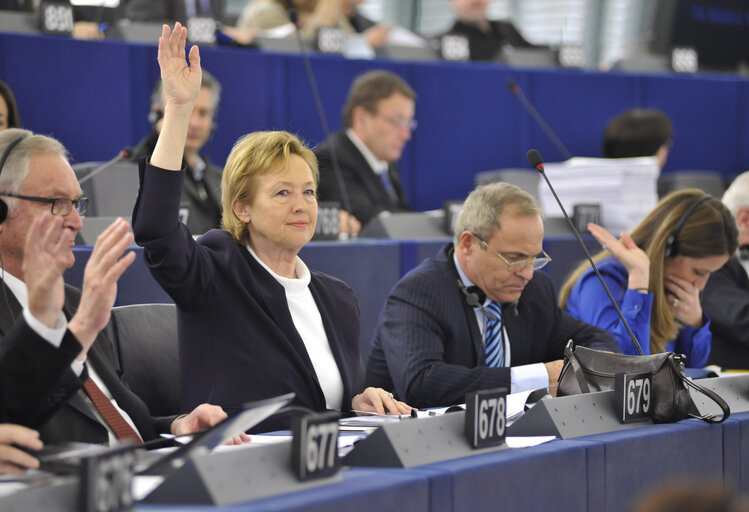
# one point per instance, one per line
(254, 321)
(656, 274)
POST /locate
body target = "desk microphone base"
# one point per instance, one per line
(410, 442)
(572, 416)
(234, 476)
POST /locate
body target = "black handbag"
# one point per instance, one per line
(586, 370)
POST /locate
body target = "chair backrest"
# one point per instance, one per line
(525, 179)
(709, 181)
(145, 339)
(113, 191)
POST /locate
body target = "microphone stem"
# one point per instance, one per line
(103, 166)
(542, 123)
(592, 264)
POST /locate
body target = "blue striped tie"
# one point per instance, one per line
(495, 350)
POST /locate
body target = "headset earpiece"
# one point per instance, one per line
(154, 116)
(672, 244)
(3, 159)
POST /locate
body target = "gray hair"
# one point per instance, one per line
(737, 195)
(482, 208)
(16, 167)
(208, 82)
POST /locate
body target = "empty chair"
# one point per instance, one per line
(145, 339)
(709, 181)
(111, 192)
(521, 178)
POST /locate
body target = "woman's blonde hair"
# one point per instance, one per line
(254, 155)
(708, 230)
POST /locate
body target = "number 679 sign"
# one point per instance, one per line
(633, 394)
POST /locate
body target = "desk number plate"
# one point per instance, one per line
(107, 480)
(486, 417)
(314, 451)
(633, 394)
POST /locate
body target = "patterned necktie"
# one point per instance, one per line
(493, 339)
(121, 428)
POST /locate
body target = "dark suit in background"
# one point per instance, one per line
(725, 301)
(365, 188)
(169, 11)
(428, 347)
(488, 45)
(65, 413)
(202, 198)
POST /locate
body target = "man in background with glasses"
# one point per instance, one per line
(378, 119)
(478, 315)
(64, 351)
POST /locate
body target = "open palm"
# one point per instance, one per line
(181, 82)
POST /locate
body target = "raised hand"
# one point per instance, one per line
(181, 82)
(103, 269)
(45, 258)
(626, 251)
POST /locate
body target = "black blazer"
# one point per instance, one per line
(66, 413)
(725, 301)
(428, 348)
(366, 192)
(237, 340)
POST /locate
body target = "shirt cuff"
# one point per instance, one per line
(528, 377)
(52, 335)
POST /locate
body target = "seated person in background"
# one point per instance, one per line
(201, 193)
(255, 322)
(638, 132)
(725, 299)
(12, 459)
(486, 38)
(378, 118)
(344, 14)
(656, 274)
(171, 10)
(41, 374)
(9, 117)
(478, 316)
(264, 15)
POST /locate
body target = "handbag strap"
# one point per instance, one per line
(709, 418)
(577, 370)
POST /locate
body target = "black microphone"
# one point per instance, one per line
(122, 155)
(517, 91)
(346, 203)
(534, 158)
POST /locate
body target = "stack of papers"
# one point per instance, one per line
(626, 188)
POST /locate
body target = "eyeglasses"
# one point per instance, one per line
(536, 263)
(398, 122)
(60, 205)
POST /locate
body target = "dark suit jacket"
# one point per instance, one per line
(725, 301)
(203, 214)
(65, 414)
(488, 46)
(168, 11)
(366, 192)
(237, 339)
(428, 347)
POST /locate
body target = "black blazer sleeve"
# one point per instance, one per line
(725, 301)
(35, 376)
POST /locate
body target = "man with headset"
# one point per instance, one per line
(477, 316)
(201, 195)
(43, 370)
